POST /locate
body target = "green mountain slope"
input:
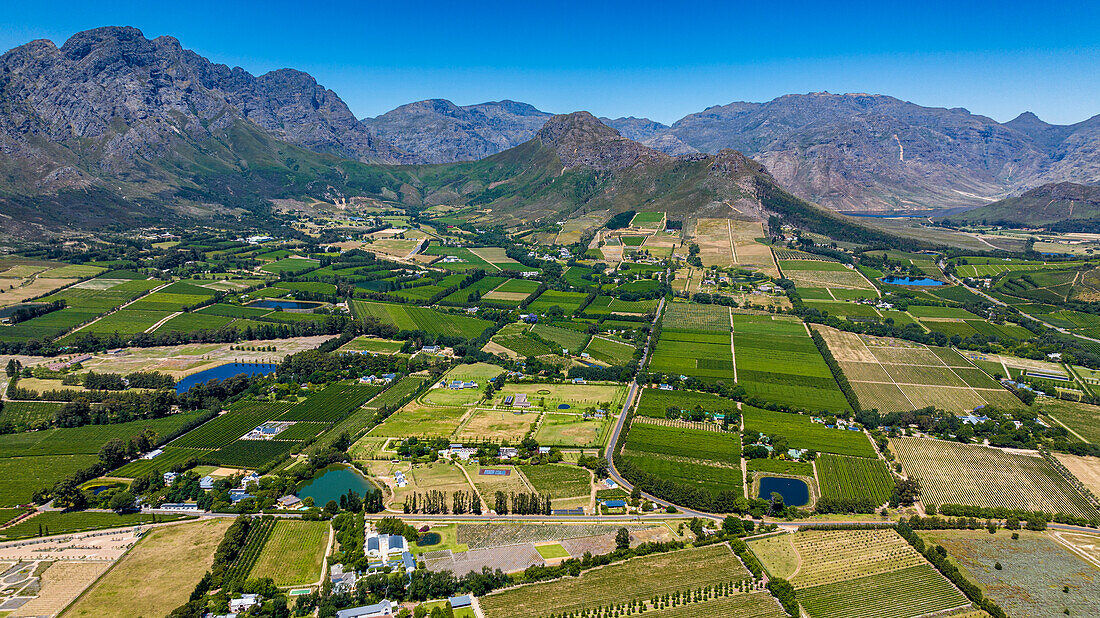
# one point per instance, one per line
(1060, 207)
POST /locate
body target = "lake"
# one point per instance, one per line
(924, 281)
(222, 372)
(335, 482)
(272, 303)
(794, 491)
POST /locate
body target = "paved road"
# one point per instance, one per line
(609, 453)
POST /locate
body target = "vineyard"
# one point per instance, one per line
(226, 428)
(953, 473)
(692, 474)
(165, 462)
(836, 555)
(633, 582)
(249, 454)
(854, 477)
(399, 394)
(691, 316)
(802, 432)
(906, 593)
(332, 403)
(293, 552)
(682, 442)
(655, 403)
(259, 531)
(559, 481)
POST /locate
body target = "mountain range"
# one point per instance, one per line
(115, 128)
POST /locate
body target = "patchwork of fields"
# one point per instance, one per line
(778, 362)
(858, 574)
(953, 473)
(893, 375)
(410, 317)
(694, 341)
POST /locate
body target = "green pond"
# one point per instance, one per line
(335, 482)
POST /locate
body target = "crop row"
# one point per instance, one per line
(258, 533)
(854, 477)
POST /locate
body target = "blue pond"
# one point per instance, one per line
(794, 491)
(925, 281)
(271, 303)
(335, 482)
(563, 406)
(222, 372)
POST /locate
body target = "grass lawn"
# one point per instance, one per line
(496, 425)
(560, 481)
(374, 345)
(552, 550)
(294, 553)
(777, 554)
(571, 430)
(420, 421)
(158, 573)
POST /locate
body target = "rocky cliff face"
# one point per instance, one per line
(114, 100)
(438, 131)
(582, 140)
(873, 152)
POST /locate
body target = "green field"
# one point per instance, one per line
(165, 462)
(700, 475)
(398, 394)
(410, 318)
(25, 475)
(683, 442)
(558, 480)
(567, 338)
(332, 403)
(567, 301)
(777, 362)
(227, 427)
(854, 477)
(249, 454)
(638, 579)
(293, 553)
(647, 218)
(655, 403)
(905, 593)
(28, 414)
(610, 350)
(801, 432)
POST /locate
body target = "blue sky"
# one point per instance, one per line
(658, 60)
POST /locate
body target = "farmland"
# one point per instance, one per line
(694, 342)
(712, 478)
(645, 438)
(559, 481)
(566, 301)
(259, 531)
(895, 375)
(331, 404)
(56, 522)
(293, 553)
(802, 432)
(654, 403)
(828, 275)
(571, 430)
(398, 394)
(610, 350)
(953, 473)
(638, 579)
(1034, 570)
(160, 571)
(778, 362)
(410, 318)
(858, 573)
(854, 477)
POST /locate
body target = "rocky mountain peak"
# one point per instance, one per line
(580, 139)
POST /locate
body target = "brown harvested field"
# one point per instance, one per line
(440, 476)
(488, 484)
(157, 575)
(715, 244)
(893, 375)
(32, 289)
(509, 559)
(496, 425)
(748, 252)
(1086, 469)
(61, 583)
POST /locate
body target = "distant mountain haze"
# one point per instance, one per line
(114, 128)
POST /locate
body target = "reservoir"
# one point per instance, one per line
(335, 482)
(221, 372)
(924, 281)
(272, 303)
(794, 491)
